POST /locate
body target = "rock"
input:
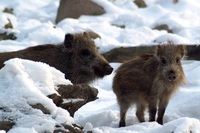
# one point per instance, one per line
(40, 107)
(76, 8)
(175, 1)
(7, 36)
(124, 54)
(57, 99)
(9, 25)
(140, 3)
(6, 125)
(65, 128)
(8, 10)
(120, 26)
(72, 97)
(163, 27)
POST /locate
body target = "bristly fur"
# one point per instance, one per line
(78, 58)
(149, 81)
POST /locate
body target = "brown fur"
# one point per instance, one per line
(78, 58)
(149, 81)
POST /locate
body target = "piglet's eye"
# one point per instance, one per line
(163, 61)
(86, 52)
(177, 60)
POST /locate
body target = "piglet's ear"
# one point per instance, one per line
(68, 40)
(85, 34)
(181, 48)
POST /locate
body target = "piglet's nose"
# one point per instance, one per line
(108, 70)
(172, 76)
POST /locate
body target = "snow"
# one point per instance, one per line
(26, 82)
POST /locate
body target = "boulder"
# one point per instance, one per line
(7, 36)
(140, 3)
(163, 27)
(72, 97)
(76, 8)
(6, 125)
(65, 128)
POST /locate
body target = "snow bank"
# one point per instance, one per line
(182, 125)
(24, 83)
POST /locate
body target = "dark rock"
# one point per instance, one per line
(65, 128)
(9, 25)
(72, 97)
(6, 125)
(76, 8)
(8, 10)
(175, 1)
(120, 26)
(40, 107)
(140, 3)
(7, 36)
(163, 27)
(56, 98)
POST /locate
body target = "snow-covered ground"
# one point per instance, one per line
(24, 83)
(28, 82)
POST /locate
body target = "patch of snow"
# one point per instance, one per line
(24, 83)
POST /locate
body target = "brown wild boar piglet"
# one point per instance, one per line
(149, 81)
